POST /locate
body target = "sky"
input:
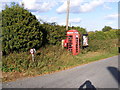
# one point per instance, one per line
(90, 14)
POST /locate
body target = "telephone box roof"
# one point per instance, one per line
(72, 31)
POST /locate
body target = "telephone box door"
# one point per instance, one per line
(76, 48)
(70, 43)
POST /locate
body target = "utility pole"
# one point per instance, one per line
(67, 17)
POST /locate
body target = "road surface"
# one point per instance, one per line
(99, 74)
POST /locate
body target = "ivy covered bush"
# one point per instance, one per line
(20, 30)
(53, 34)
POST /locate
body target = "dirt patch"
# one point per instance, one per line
(11, 76)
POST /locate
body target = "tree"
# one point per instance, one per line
(53, 34)
(106, 28)
(80, 29)
(20, 30)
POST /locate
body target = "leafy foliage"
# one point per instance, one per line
(53, 33)
(103, 40)
(100, 35)
(46, 59)
(20, 30)
(80, 29)
(106, 28)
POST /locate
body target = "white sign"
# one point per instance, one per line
(32, 51)
(85, 41)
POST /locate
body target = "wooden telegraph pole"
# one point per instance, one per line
(67, 17)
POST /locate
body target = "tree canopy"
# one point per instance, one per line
(106, 28)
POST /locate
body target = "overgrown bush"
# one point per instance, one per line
(53, 34)
(20, 30)
(103, 40)
(100, 35)
(47, 58)
(79, 29)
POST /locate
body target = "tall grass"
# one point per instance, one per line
(46, 58)
(53, 58)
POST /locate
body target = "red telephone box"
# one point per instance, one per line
(72, 42)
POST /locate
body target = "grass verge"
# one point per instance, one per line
(49, 60)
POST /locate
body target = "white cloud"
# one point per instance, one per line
(38, 6)
(73, 4)
(107, 7)
(72, 22)
(91, 5)
(77, 6)
(109, 23)
(75, 20)
(62, 8)
(53, 19)
(62, 23)
(46, 18)
(111, 16)
(9, 0)
(43, 18)
(113, 24)
(112, 0)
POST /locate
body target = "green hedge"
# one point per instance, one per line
(103, 40)
(53, 34)
(100, 35)
(20, 30)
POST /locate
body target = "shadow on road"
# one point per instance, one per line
(87, 86)
(115, 73)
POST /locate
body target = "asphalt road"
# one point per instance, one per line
(99, 74)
